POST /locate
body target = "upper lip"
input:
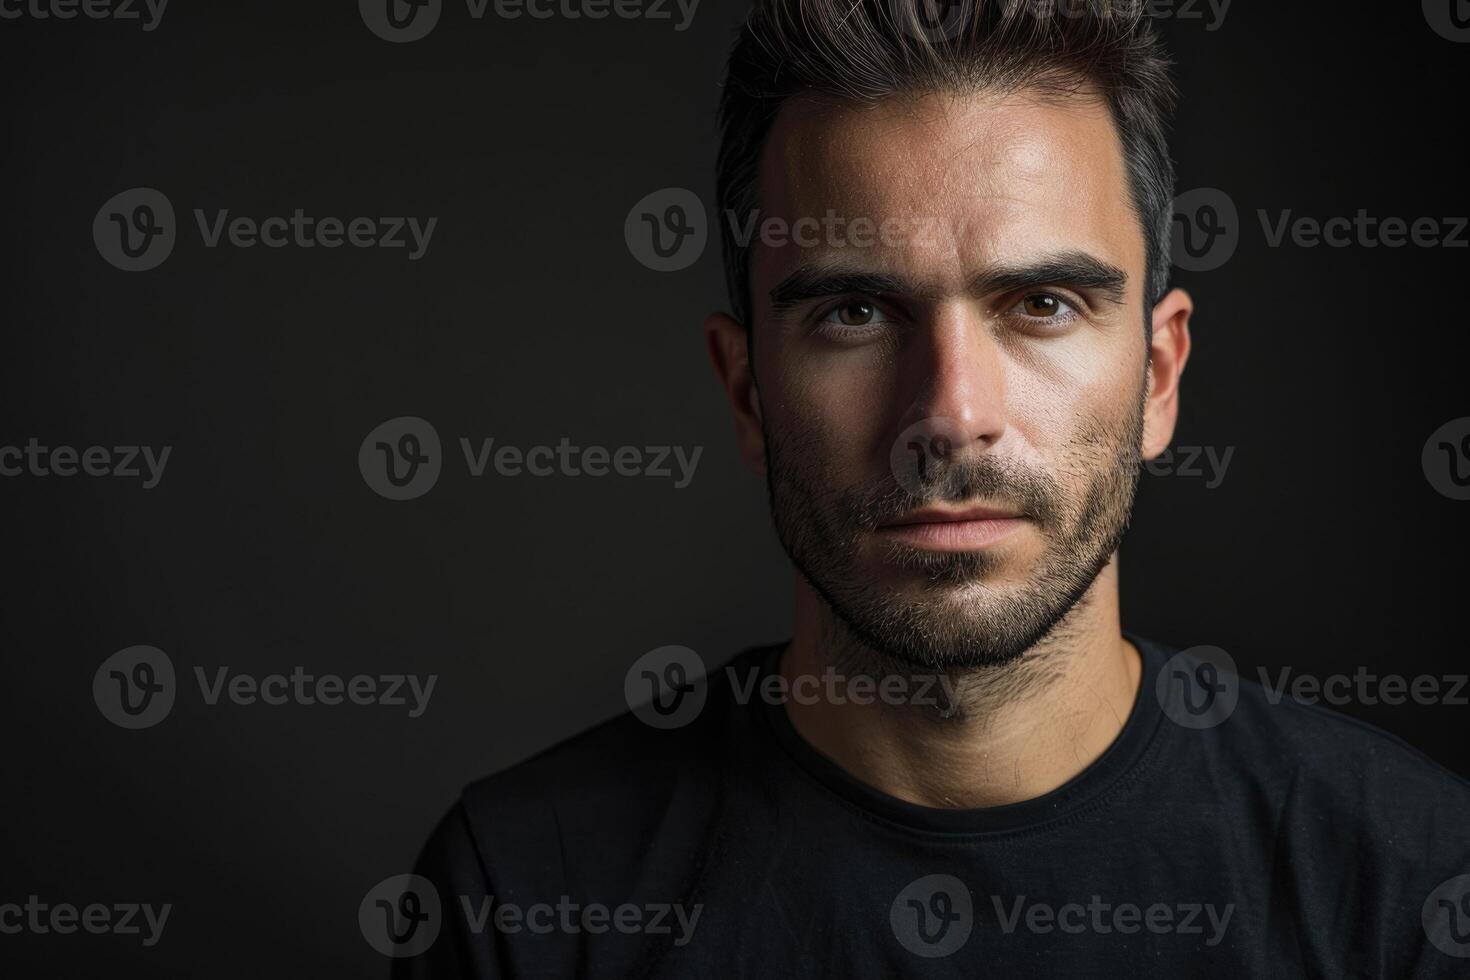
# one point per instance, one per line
(947, 515)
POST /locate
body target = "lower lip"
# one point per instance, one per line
(953, 535)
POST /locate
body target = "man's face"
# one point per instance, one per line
(951, 363)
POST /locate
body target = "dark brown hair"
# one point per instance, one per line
(866, 50)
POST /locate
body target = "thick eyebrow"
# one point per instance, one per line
(1075, 269)
(815, 282)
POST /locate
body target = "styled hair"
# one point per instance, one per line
(862, 51)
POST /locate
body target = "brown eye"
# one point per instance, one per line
(853, 320)
(856, 314)
(1040, 305)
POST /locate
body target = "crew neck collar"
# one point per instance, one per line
(1089, 786)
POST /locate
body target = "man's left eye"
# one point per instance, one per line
(1043, 306)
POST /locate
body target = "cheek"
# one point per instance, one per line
(1070, 413)
(834, 417)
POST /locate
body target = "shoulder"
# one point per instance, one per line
(1320, 752)
(1362, 833)
(1330, 790)
(633, 761)
(602, 801)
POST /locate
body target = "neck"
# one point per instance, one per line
(996, 735)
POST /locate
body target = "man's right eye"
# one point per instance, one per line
(853, 316)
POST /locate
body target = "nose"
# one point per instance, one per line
(954, 372)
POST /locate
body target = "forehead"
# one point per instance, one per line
(992, 178)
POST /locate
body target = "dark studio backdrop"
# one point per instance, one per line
(1326, 545)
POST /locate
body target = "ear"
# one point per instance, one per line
(729, 352)
(1167, 356)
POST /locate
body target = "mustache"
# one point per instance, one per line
(959, 480)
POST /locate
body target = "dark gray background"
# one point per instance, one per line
(528, 320)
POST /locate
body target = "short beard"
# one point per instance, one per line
(822, 530)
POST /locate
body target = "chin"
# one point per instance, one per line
(961, 626)
(922, 571)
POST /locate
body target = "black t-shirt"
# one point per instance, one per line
(1271, 840)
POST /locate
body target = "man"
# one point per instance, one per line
(953, 344)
